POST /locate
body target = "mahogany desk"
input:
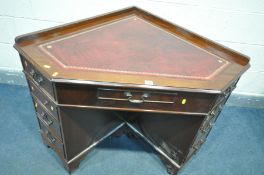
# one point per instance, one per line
(127, 72)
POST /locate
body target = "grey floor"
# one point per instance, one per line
(234, 147)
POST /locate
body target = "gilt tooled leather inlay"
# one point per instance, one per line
(133, 46)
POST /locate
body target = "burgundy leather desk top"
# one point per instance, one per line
(132, 47)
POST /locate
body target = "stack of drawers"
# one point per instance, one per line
(48, 119)
(46, 109)
(83, 127)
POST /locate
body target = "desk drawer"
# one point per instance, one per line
(43, 99)
(49, 121)
(134, 99)
(51, 140)
(37, 77)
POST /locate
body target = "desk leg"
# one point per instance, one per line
(72, 166)
(171, 169)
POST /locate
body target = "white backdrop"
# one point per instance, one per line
(238, 24)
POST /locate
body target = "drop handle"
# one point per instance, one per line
(46, 119)
(207, 128)
(46, 102)
(50, 138)
(129, 96)
(37, 77)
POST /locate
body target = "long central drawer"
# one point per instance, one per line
(134, 99)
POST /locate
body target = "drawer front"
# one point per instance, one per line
(51, 140)
(209, 122)
(43, 99)
(134, 99)
(49, 121)
(37, 77)
(173, 101)
(204, 130)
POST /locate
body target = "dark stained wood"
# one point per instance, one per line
(52, 141)
(47, 119)
(84, 95)
(46, 101)
(28, 46)
(37, 77)
(83, 127)
(171, 132)
(127, 72)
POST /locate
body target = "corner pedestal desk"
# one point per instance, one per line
(127, 72)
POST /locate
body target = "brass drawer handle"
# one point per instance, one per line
(207, 128)
(50, 138)
(46, 119)
(198, 144)
(37, 77)
(46, 102)
(136, 101)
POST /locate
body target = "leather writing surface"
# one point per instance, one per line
(133, 46)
